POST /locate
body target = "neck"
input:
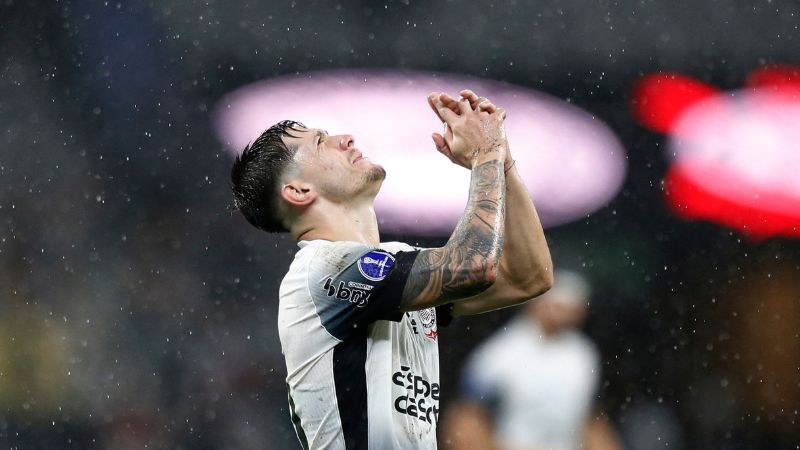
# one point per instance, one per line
(338, 222)
(546, 331)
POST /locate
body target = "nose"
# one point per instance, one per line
(346, 142)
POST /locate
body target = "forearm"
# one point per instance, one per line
(525, 269)
(525, 261)
(468, 263)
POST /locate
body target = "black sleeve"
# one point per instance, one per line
(398, 278)
(392, 288)
(367, 289)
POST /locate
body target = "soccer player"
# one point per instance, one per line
(547, 400)
(358, 319)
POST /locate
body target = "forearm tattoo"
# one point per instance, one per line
(459, 269)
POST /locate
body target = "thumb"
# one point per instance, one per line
(438, 140)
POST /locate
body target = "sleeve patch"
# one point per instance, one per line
(375, 265)
(355, 287)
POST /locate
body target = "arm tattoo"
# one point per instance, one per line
(458, 270)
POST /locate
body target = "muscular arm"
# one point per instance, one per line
(468, 263)
(526, 269)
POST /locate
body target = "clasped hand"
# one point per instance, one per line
(474, 130)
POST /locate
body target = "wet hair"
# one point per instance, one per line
(256, 174)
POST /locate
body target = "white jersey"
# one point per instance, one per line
(539, 389)
(361, 373)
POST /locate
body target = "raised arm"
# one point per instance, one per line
(468, 263)
(525, 269)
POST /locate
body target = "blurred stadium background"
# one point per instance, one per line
(137, 311)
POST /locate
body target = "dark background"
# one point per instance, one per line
(136, 310)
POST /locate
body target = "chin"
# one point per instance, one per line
(376, 173)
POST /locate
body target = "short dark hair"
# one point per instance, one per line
(256, 173)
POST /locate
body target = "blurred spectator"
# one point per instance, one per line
(533, 384)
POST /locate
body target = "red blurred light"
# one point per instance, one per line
(760, 215)
(659, 99)
(781, 79)
(735, 154)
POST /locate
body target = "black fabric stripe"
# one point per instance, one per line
(350, 379)
(444, 315)
(298, 427)
(396, 281)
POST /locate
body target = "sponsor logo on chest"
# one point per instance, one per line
(420, 399)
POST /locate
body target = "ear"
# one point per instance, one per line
(298, 193)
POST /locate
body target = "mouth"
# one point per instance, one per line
(359, 156)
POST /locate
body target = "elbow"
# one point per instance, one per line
(545, 282)
(538, 284)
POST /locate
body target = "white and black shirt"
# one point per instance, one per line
(361, 373)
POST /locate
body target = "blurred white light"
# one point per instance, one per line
(571, 162)
(743, 147)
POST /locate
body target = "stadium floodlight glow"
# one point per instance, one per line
(571, 161)
(737, 161)
(736, 155)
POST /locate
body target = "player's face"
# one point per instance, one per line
(555, 316)
(334, 165)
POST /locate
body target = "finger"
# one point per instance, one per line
(501, 112)
(432, 103)
(445, 113)
(449, 155)
(469, 94)
(464, 106)
(441, 146)
(450, 102)
(474, 101)
(487, 106)
(438, 141)
(479, 101)
(473, 98)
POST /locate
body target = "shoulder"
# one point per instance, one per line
(395, 247)
(579, 345)
(333, 256)
(328, 247)
(499, 346)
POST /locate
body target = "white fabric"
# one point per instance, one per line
(399, 355)
(540, 388)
